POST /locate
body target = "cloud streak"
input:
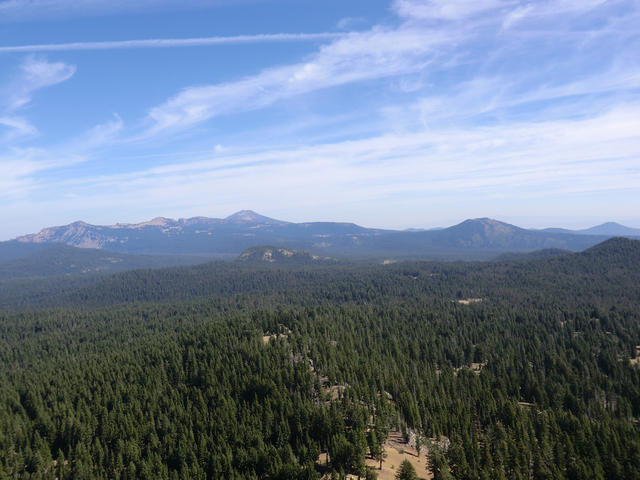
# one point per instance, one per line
(446, 9)
(19, 167)
(357, 57)
(172, 42)
(512, 10)
(420, 47)
(35, 74)
(16, 127)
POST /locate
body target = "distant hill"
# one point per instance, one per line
(49, 260)
(612, 228)
(481, 238)
(277, 255)
(615, 251)
(486, 233)
(609, 229)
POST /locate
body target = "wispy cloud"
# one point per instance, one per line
(96, 137)
(348, 23)
(15, 127)
(357, 57)
(20, 167)
(34, 74)
(538, 10)
(512, 10)
(523, 160)
(426, 51)
(517, 14)
(446, 9)
(172, 42)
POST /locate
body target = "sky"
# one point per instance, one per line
(394, 114)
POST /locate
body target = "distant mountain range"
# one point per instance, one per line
(481, 238)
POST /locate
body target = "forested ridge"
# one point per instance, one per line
(166, 373)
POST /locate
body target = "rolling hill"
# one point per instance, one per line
(281, 256)
(611, 229)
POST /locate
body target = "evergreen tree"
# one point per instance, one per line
(406, 471)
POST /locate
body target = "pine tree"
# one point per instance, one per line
(406, 471)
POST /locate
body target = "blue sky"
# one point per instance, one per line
(397, 113)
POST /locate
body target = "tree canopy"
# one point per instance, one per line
(532, 379)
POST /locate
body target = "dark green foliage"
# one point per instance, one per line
(532, 382)
(49, 260)
(406, 471)
(281, 256)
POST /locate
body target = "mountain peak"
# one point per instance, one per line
(610, 224)
(156, 222)
(249, 216)
(486, 223)
(612, 228)
(489, 233)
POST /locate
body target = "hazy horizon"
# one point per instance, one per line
(420, 227)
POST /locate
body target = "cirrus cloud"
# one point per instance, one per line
(33, 75)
